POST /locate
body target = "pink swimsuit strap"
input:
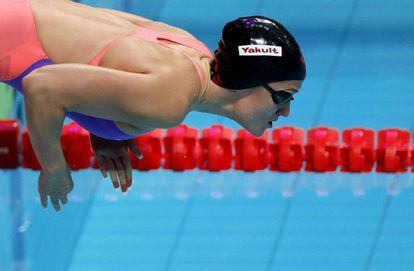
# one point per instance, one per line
(157, 37)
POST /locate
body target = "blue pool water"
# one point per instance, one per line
(360, 58)
(208, 221)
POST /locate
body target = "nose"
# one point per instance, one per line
(284, 111)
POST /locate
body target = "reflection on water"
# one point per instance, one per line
(148, 186)
(180, 186)
(32, 238)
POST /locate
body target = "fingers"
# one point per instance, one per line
(102, 166)
(121, 174)
(128, 170)
(55, 202)
(64, 199)
(55, 185)
(134, 149)
(120, 171)
(112, 172)
(43, 200)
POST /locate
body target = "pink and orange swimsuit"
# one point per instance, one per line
(21, 53)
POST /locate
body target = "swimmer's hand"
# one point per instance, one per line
(113, 156)
(57, 185)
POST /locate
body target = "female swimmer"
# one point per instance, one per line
(119, 76)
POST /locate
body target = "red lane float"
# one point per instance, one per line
(287, 150)
(150, 146)
(358, 154)
(322, 149)
(76, 146)
(216, 148)
(393, 150)
(252, 153)
(9, 151)
(182, 148)
(412, 155)
(29, 157)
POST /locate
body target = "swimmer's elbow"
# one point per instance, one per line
(172, 121)
(165, 119)
(172, 113)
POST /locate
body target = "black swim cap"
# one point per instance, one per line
(254, 51)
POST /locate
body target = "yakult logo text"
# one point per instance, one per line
(260, 50)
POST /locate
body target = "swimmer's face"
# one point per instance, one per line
(258, 109)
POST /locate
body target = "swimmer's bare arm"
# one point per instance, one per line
(96, 91)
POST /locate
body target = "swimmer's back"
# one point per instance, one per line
(74, 33)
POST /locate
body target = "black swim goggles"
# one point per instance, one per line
(279, 97)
